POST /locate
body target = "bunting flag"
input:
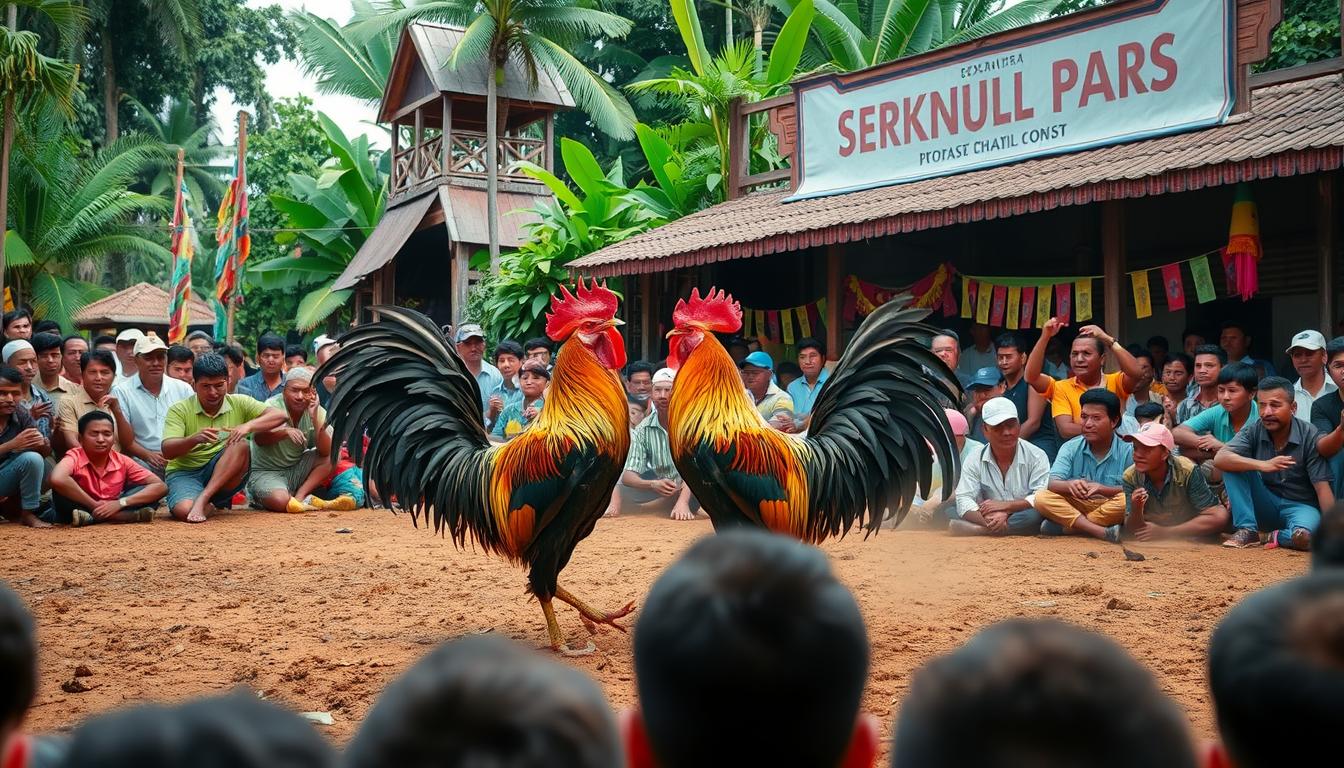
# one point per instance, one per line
(1172, 285)
(967, 296)
(235, 242)
(815, 316)
(1199, 269)
(1143, 300)
(760, 322)
(998, 305)
(786, 326)
(1242, 255)
(1014, 307)
(821, 311)
(1063, 301)
(772, 324)
(183, 248)
(1042, 306)
(804, 323)
(984, 295)
(1028, 305)
(1082, 299)
(747, 325)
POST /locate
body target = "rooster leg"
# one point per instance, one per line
(557, 638)
(592, 614)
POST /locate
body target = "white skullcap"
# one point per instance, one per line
(301, 373)
(664, 374)
(14, 346)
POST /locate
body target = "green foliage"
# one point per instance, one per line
(206, 160)
(26, 71)
(344, 62)
(1309, 32)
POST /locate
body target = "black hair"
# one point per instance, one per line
(1148, 411)
(200, 335)
(1105, 398)
(1188, 332)
(15, 314)
(639, 366)
(484, 700)
(808, 342)
(1278, 656)
(1240, 326)
(267, 342)
(1334, 348)
(1101, 345)
(209, 366)
(1276, 382)
(18, 659)
(71, 338)
(736, 341)
(1327, 543)
(743, 621)
(1212, 349)
(1139, 352)
(540, 342)
(45, 342)
(1187, 362)
(232, 352)
(237, 729)
(92, 416)
(103, 338)
(509, 347)
(948, 332)
(1008, 340)
(103, 357)
(180, 354)
(47, 326)
(788, 368)
(1017, 675)
(1241, 374)
(11, 374)
(295, 350)
(1160, 342)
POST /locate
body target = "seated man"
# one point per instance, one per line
(517, 415)
(650, 480)
(1166, 496)
(20, 355)
(295, 356)
(773, 403)
(1327, 546)
(23, 454)
(1149, 412)
(1276, 480)
(343, 489)
(143, 401)
(935, 510)
(638, 409)
(487, 701)
(1209, 360)
(999, 482)
(1204, 434)
(1038, 692)
(986, 384)
(1176, 380)
(205, 442)
(1278, 654)
(180, 360)
(1327, 415)
(270, 376)
(1084, 495)
(717, 654)
(98, 367)
(292, 460)
(94, 483)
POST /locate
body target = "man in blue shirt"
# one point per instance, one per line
(470, 341)
(269, 381)
(803, 392)
(1085, 494)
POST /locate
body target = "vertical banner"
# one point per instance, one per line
(747, 315)
(982, 299)
(997, 305)
(822, 317)
(1199, 268)
(1042, 306)
(759, 323)
(1143, 300)
(772, 324)
(1082, 299)
(804, 325)
(1028, 305)
(1175, 290)
(1064, 301)
(967, 293)
(816, 316)
(786, 325)
(1014, 307)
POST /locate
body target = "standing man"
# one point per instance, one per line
(470, 341)
(1276, 480)
(125, 349)
(23, 455)
(1209, 362)
(1166, 496)
(1087, 356)
(323, 348)
(947, 347)
(270, 379)
(205, 442)
(771, 402)
(999, 483)
(1307, 351)
(144, 400)
(73, 348)
(639, 379)
(180, 360)
(19, 354)
(539, 348)
(99, 369)
(1033, 412)
(980, 354)
(48, 349)
(95, 483)
(1327, 416)
(291, 461)
(1084, 495)
(650, 480)
(803, 390)
(1236, 342)
(1192, 340)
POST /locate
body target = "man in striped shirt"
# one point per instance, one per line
(650, 481)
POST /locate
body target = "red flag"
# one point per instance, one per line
(997, 303)
(1171, 283)
(1028, 306)
(1064, 301)
(772, 324)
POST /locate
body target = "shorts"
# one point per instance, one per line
(348, 483)
(263, 482)
(187, 484)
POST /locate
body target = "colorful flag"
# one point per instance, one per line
(1042, 306)
(983, 298)
(997, 305)
(1143, 299)
(183, 248)
(804, 323)
(1204, 291)
(1175, 289)
(1063, 301)
(235, 242)
(1028, 305)
(967, 294)
(1014, 307)
(760, 323)
(772, 324)
(786, 325)
(747, 316)
(1082, 299)
(1242, 255)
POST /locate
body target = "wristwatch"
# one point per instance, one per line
(122, 502)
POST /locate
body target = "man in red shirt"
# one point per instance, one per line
(95, 484)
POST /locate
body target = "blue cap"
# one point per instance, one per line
(759, 359)
(986, 377)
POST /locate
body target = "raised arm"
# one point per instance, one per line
(1129, 366)
(1035, 372)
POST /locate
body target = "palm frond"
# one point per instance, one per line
(604, 104)
(340, 65)
(1025, 12)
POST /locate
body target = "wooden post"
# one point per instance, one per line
(417, 171)
(737, 162)
(549, 157)
(393, 182)
(10, 121)
(446, 135)
(1325, 249)
(1113, 264)
(460, 266)
(242, 184)
(834, 279)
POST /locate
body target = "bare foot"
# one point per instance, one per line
(612, 512)
(196, 515)
(32, 521)
(682, 513)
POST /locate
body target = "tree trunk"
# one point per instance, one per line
(728, 23)
(758, 41)
(492, 165)
(117, 272)
(5, 144)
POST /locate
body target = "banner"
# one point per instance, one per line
(1028, 305)
(967, 296)
(982, 301)
(772, 324)
(182, 245)
(997, 305)
(804, 324)
(760, 328)
(1063, 301)
(232, 235)
(1082, 301)
(786, 325)
(748, 327)
(1143, 300)
(1042, 306)
(1013, 316)
(1199, 269)
(1172, 285)
(1092, 80)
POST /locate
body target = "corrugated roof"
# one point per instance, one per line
(386, 239)
(141, 304)
(1295, 127)
(468, 208)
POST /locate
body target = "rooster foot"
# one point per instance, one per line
(593, 615)
(557, 638)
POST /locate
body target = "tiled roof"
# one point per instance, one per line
(141, 304)
(1295, 127)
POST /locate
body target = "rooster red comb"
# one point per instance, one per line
(588, 302)
(717, 311)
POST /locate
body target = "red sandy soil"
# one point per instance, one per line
(323, 620)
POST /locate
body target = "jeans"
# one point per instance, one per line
(1336, 463)
(1255, 508)
(1025, 522)
(65, 507)
(22, 476)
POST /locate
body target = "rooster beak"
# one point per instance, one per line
(674, 332)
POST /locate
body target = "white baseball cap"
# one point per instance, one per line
(151, 343)
(130, 334)
(322, 341)
(1312, 340)
(997, 410)
(664, 374)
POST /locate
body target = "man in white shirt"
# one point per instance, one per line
(145, 398)
(1307, 351)
(999, 483)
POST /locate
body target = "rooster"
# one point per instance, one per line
(531, 500)
(876, 424)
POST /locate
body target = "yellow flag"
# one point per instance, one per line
(1014, 306)
(1143, 299)
(1043, 304)
(760, 323)
(821, 310)
(746, 323)
(786, 325)
(804, 324)
(1082, 299)
(965, 298)
(982, 300)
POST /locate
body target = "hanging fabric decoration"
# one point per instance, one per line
(747, 325)
(1143, 300)
(967, 296)
(1242, 255)
(772, 324)
(1082, 299)
(822, 313)
(1012, 317)
(1028, 305)
(998, 304)
(1042, 306)
(760, 328)
(1063, 301)
(816, 314)
(786, 326)
(984, 296)
(1199, 269)
(1174, 288)
(804, 325)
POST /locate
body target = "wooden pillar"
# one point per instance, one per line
(1326, 247)
(834, 281)
(446, 136)
(417, 162)
(1113, 265)
(738, 161)
(549, 156)
(460, 265)
(396, 145)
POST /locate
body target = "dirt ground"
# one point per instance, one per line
(320, 611)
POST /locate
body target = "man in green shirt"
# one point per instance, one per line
(205, 442)
(292, 460)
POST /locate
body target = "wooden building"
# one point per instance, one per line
(141, 306)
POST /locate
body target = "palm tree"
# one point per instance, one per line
(178, 23)
(539, 34)
(344, 63)
(28, 78)
(177, 128)
(71, 210)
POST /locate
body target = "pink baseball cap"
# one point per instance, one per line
(1152, 435)
(958, 422)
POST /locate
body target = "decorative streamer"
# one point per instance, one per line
(761, 329)
(967, 296)
(804, 324)
(1042, 306)
(786, 325)
(1028, 305)
(1174, 288)
(1014, 307)
(997, 305)
(982, 301)
(1143, 300)
(747, 325)
(1064, 301)
(1082, 301)
(1199, 268)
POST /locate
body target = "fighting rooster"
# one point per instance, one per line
(875, 426)
(530, 500)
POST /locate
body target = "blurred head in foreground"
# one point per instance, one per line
(1276, 660)
(1327, 545)
(749, 651)
(18, 662)
(486, 701)
(236, 730)
(1038, 693)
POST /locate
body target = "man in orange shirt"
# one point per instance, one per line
(1087, 356)
(95, 484)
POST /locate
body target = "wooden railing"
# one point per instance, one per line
(466, 157)
(781, 116)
